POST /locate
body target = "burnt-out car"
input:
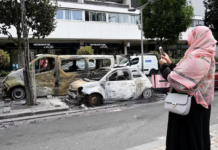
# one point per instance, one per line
(54, 73)
(107, 84)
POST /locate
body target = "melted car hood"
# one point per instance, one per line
(81, 83)
(18, 74)
(75, 85)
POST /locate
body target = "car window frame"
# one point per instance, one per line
(72, 59)
(130, 75)
(40, 58)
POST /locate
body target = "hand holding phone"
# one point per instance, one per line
(161, 51)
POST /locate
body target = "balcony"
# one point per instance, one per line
(111, 3)
(75, 1)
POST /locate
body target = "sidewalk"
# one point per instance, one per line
(214, 141)
(16, 109)
(159, 145)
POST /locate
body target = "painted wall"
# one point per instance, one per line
(81, 30)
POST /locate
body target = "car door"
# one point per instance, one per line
(70, 69)
(44, 75)
(135, 63)
(141, 82)
(119, 85)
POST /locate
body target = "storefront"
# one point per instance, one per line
(106, 48)
(41, 48)
(177, 51)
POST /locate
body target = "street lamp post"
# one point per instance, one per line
(150, 2)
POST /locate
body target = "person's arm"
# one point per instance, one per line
(172, 66)
(165, 70)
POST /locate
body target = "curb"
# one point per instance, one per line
(162, 142)
(32, 113)
(63, 112)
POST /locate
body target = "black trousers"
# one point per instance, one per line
(190, 132)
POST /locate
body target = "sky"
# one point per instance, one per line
(198, 7)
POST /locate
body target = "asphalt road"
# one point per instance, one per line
(116, 129)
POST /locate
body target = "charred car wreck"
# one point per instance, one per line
(107, 84)
(54, 73)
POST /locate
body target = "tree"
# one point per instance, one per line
(211, 13)
(87, 50)
(165, 20)
(4, 58)
(40, 16)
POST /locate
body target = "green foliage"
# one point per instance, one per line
(40, 16)
(216, 58)
(211, 13)
(175, 61)
(165, 20)
(87, 50)
(3, 73)
(4, 58)
(157, 54)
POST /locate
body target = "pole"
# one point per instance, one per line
(30, 100)
(142, 44)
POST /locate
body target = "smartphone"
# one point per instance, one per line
(161, 51)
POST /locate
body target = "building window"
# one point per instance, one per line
(119, 18)
(135, 19)
(97, 16)
(113, 17)
(123, 18)
(69, 14)
(196, 23)
(76, 15)
(60, 14)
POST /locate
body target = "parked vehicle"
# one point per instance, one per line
(54, 73)
(216, 75)
(150, 63)
(106, 84)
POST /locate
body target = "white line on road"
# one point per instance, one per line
(149, 146)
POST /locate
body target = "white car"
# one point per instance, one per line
(110, 84)
(150, 63)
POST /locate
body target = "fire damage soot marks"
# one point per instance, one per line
(110, 84)
(54, 73)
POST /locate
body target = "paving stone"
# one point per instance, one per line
(6, 110)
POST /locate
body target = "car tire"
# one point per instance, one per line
(147, 93)
(152, 72)
(94, 100)
(18, 93)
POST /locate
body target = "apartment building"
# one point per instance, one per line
(106, 25)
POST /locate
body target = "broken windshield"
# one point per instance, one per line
(98, 74)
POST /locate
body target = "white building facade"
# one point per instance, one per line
(106, 25)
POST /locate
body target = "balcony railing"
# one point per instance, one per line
(106, 3)
(67, 1)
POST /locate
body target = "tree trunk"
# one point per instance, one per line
(20, 58)
(30, 94)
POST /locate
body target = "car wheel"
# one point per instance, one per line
(18, 93)
(147, 93)
(94, 100)
(152, 72)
